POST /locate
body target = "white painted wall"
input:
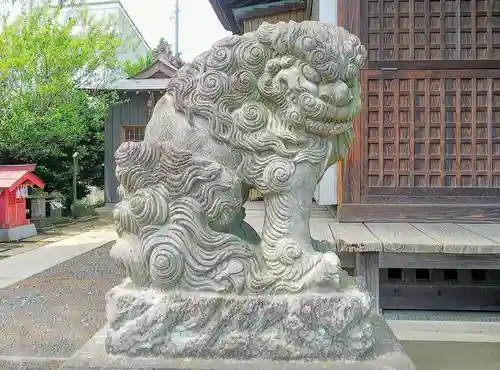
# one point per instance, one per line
(326, 191)
(133, 45)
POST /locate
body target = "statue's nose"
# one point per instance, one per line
(337, 93)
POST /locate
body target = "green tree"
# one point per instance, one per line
(132, 68)
(49, 106)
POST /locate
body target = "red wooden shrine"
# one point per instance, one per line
(14, 183)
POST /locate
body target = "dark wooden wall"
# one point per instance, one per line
(428, 139)
(252, 24)
(132, 114)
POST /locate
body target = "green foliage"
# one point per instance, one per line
(133, 68)
(45, 114)
(82, 209)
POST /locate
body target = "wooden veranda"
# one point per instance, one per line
(414, 266)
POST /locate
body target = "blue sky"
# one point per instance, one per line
(199, 26)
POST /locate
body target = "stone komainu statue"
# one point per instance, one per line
(269, 110)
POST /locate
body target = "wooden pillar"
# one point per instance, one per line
(328, 189)
(367, 267)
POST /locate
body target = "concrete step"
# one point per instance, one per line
(429, 355)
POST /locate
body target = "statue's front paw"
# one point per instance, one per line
(327, 272)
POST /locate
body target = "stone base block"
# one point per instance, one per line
(334, 325)
(17, 233)
(154, 329)
(93, 355)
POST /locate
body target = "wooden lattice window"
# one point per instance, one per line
(133, 133)
(428, 129)
(403, 30)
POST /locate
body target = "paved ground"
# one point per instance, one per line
(52, 314)
(50, 236)
(453, 356)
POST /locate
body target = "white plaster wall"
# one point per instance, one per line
(326, 191)
(132, 47)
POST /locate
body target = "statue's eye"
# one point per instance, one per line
(310, 73)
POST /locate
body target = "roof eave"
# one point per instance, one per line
(232, 13)
(152, 84)
(226, 17)
(160, 64)
(28, 176)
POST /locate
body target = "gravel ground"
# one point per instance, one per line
(52, 314)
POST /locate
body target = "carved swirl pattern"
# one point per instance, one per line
(212, 85)
(149, 207)
(252, 56)
(327, 54)
(221, 59)
(243, 81)
(251, 117)
(188, 255)
(257, 97)
(288, 251)
(124, 220)
(166, 265)
(133, 161)
(278, 174)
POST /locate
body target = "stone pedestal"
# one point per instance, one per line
(17, 233)
(387, 355)
(154, 329)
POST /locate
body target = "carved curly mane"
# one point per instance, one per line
(232, 87)
(266, 110)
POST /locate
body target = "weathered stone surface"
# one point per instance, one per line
(269, 110)
(208, 325)
(387, 354)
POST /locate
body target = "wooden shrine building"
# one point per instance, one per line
(15, 181)
(127, 120)
(428, 138)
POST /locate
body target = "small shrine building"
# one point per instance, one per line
(15, 180)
